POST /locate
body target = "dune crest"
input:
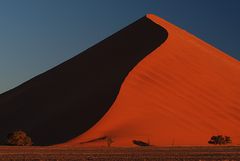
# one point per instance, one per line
(182, 93)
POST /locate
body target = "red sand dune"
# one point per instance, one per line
(182, 93)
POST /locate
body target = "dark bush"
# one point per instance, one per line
(220, 140)
(140, 143)
(18, 138)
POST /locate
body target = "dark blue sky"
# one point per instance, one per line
(36, 35)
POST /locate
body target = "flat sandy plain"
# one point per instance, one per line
(218, 153)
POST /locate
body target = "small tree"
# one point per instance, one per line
(220, 140)
(109, 141)
(18, 138)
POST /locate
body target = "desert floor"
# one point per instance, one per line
(217, 153)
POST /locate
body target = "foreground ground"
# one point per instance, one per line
(219, 153)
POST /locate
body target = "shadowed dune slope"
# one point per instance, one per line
(182, 93)
(67, 100)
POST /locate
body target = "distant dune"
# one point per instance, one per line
(151, 81)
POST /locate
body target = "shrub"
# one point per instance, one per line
(140, 143)
(220, 140)
(18, 138)
(109, 141)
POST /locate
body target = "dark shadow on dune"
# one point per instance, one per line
(95, 140)
(70, 98)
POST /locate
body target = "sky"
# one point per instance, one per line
(36, 35)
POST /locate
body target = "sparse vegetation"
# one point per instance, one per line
(140, 143)
(18, 138)
(220, 140)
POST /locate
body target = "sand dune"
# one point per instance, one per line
(151, 81)
(67, 100)
(182, 93)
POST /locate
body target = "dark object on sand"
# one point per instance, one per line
(220, 140)
(140, 143)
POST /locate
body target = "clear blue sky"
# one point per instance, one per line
(36, 35)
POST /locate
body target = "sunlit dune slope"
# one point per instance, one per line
(182, 93)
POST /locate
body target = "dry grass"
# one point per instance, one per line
(220, 153)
